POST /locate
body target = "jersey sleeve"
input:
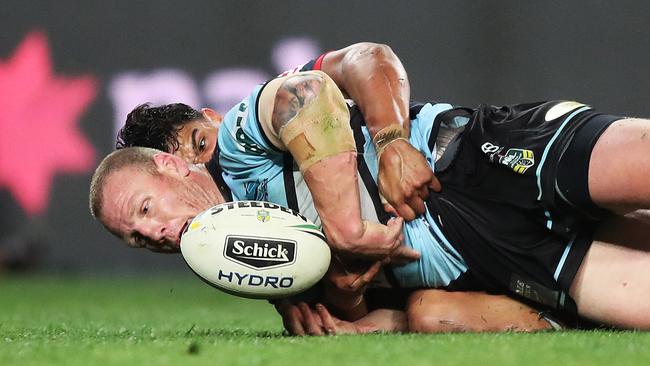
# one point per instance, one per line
(244, 146)
(314, 64)
(243, 143)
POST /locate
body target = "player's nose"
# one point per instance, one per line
(154, 230)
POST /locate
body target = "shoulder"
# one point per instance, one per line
(281, 97)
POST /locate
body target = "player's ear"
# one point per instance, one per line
(171, 164)
(211, 115)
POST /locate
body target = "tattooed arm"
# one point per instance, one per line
(294, 93)
(311, 120)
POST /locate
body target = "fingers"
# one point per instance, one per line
(328, 321)
(395, 226)
(412, 203)
(292, 319)
(404, 210)
(310, 324)
(424, 192)
(435, 184)
(416, 204)
(404, 254)
(395, 223)
(390, 209)
(365, 278)
(406, 180)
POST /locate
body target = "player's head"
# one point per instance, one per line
(146, 197)
(175, 128)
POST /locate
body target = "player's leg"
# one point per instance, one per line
(613, 282)
(431, 311)
(619, 168)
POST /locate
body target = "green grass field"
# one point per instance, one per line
(132, 321)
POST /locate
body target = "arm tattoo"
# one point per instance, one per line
(293, 95)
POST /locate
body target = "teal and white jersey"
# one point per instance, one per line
(253, 169)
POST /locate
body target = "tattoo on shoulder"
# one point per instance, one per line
(295, 93)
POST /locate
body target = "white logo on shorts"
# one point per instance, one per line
(489, 148)
(561, 109)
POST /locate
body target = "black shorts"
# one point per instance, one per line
(515, 201)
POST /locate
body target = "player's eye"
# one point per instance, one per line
(139, 241)
(145, 208)
(202, 144)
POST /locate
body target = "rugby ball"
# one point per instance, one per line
(255, 249)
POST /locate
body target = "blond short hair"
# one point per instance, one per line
(133, 157)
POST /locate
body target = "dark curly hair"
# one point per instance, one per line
(155, 127)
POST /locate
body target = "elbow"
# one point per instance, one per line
(373, 51)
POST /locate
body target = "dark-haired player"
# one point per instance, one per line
(176, 128)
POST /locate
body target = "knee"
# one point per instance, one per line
(426, 313)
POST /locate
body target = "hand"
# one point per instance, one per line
(333, 325)
(301, 320)
(405, 179)
(374, 241)
(352, 276)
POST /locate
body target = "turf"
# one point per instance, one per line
(181, 321)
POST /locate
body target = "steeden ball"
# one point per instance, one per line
(255, 249)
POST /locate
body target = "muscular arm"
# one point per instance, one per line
(312, 121)
(374, 77)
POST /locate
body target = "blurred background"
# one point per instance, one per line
(70, 71)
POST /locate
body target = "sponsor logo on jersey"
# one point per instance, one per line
(519, 160)
(257, 190)
(258, 252)
(245, 142)
(561, 109)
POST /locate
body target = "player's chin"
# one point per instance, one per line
(166, 249)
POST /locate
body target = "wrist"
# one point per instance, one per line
(387, 136)
(345, 304)
(343, 234)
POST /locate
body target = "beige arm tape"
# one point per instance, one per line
(320, 129)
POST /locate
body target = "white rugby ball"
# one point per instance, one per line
(255, 249)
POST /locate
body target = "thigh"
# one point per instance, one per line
(430, 311)
(613, 283)
(619, 168)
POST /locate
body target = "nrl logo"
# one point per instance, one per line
(263, 216)
(518, 160)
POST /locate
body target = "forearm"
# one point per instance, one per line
(335, 192)
(374, 77)
(346, 305)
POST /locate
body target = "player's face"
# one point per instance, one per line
(151, 211)
(197, 139)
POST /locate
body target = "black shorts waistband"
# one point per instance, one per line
(572, 182)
